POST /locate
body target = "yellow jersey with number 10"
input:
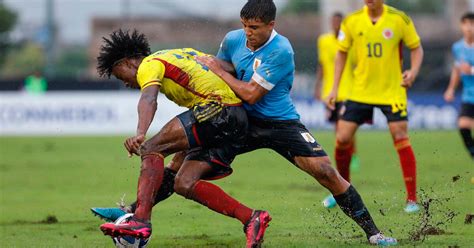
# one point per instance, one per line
(378, 49)
(183, 80)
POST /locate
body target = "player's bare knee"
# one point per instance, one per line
(342, 141)
(183, 186)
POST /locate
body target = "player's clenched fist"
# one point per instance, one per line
(133, 144)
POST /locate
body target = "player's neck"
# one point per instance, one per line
(375, 13)
(469, 41)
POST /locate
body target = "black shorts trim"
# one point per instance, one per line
(361, 113)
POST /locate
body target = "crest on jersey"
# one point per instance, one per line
(308, 137)
(341, 36)
(256, 64)
(387, 33)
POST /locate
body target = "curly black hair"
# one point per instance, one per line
(120, 45)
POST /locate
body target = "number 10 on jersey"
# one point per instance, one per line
(374, 50)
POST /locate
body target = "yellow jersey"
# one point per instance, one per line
(327, 49)
(183, 80)
(378, 50)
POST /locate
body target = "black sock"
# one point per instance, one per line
(467, 138)
(166, 188)
(351, 204)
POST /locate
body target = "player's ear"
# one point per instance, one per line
(271, 24)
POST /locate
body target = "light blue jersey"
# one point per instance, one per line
(462, 52)
(271, 66)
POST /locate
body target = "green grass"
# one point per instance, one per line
(65, 176)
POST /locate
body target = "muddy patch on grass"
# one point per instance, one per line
(434, 217)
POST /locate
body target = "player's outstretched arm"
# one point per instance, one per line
(341, 58)
(409, 76)
(452, 86)
(249, 92)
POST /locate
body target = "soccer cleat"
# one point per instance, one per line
(108, 214)
(132, 227)
(411, 207)
(329, 202)
(380, 240)
(355, 163)
(254, 229)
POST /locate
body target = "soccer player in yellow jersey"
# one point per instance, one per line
(376, 33)
(327, 49)
(205, 138)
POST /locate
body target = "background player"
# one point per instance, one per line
(376, 32)
(327, 49)
(209, 132)
(463, 53)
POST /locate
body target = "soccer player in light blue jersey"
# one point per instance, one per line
(263, 64)
(463, 70)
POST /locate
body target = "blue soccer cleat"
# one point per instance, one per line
(108, 214)
(329, 202)
(380, 240)
(411, 207)
(355, 163)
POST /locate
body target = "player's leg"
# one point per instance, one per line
(344, 193)
(294, 142)
(345, 132)
(171, 139)
(353, 114)
(466, 124)
(165, 191)
(213, 164)
(188, 184)
(399, 132)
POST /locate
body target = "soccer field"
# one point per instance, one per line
(48, 184)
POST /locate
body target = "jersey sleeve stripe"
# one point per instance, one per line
(405, 18)
(262, 82)
(153, 82)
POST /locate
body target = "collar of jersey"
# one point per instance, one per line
(272, 36)
(366, 12)
(467, 44)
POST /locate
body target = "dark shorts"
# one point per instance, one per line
(467, 110)
(334, 115)
(361, 113)
(215, 134)
(288, 138)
